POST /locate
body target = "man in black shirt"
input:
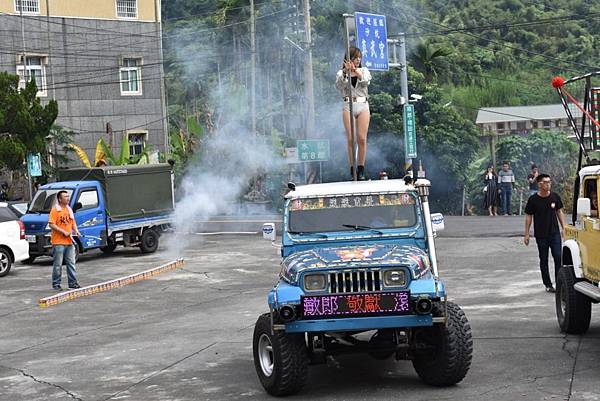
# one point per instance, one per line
(545, 209)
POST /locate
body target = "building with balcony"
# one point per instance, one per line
(100, 60)
(522, 120)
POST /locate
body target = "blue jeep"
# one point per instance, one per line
(359, 273)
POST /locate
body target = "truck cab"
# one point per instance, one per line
(579, 277)
(359, 274)
(88, 206)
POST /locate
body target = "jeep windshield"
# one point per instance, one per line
(44, 199)
(368, 213)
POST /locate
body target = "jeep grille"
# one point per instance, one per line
(354, 281)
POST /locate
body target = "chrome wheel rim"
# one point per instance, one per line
(4, 262)
(265, 355)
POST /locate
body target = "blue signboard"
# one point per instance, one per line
(371, 39)
(34, 164)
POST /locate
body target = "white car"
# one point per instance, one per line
(13, 246)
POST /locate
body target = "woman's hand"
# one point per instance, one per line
(349, 67)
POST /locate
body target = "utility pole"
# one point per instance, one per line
(253, 67)
(51, 145)
(310, 168)
(404, 92)
(161, 69)
(25, 76)
(308, 73)
(493, 137)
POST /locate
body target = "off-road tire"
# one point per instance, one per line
(573, 309)
(289, 358)
(149, 241)
(5, 262)
(451, 348)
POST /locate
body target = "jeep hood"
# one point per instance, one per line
(361, 256)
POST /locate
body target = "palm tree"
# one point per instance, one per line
(428, 57)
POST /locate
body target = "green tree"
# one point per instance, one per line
(428, 56)
(24, 122)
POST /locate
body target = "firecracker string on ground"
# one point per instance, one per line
(109, 285)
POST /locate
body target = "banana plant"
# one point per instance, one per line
(105, 156)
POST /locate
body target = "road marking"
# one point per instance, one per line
(108, 285)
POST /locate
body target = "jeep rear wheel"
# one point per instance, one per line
(448, 351)
(280, 359)
(573, 309)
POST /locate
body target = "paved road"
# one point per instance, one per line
(186, 335)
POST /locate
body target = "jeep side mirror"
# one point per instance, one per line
(268, 230)
(437, 221)
(583, 207)
(77, 206)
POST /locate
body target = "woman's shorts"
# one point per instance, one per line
(357, 107)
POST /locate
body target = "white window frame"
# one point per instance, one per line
(139, 133)
(122, 16)
(29, 4)
(127, 69)
(25, 77)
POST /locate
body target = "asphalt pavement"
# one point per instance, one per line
(187, 334)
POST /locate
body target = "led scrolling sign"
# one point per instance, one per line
(356, 305)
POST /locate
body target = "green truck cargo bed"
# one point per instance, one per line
(130, 191)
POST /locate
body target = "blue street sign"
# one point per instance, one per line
(34, 164)
(371, 39)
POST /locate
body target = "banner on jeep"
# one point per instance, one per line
(341, 202)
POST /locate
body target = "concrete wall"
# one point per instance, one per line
(82, 72)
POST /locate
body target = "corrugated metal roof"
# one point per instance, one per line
(522, 113)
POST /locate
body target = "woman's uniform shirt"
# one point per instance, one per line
(362, 84)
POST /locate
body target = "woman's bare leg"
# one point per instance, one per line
(346, 118)
(362, 125)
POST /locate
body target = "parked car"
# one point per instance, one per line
(19, 208)
(13, 247)
(130, 206)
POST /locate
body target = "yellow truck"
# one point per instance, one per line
(578, 279)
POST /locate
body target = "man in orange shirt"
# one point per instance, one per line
(62, 223)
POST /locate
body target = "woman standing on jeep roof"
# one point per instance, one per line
(359, 96)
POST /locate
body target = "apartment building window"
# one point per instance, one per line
(34, 69)
(127, 8)
(137, 142)
(28, 6)
(546, 123)
(130, 76)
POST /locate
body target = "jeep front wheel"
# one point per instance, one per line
(447, 350)
(573, 310)
(280, 359)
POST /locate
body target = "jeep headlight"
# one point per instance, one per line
(315, 282)
(394, 278)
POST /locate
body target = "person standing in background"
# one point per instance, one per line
(506, 180)
(490, 196)
(532, 180)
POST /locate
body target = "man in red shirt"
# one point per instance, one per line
(62, 223)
